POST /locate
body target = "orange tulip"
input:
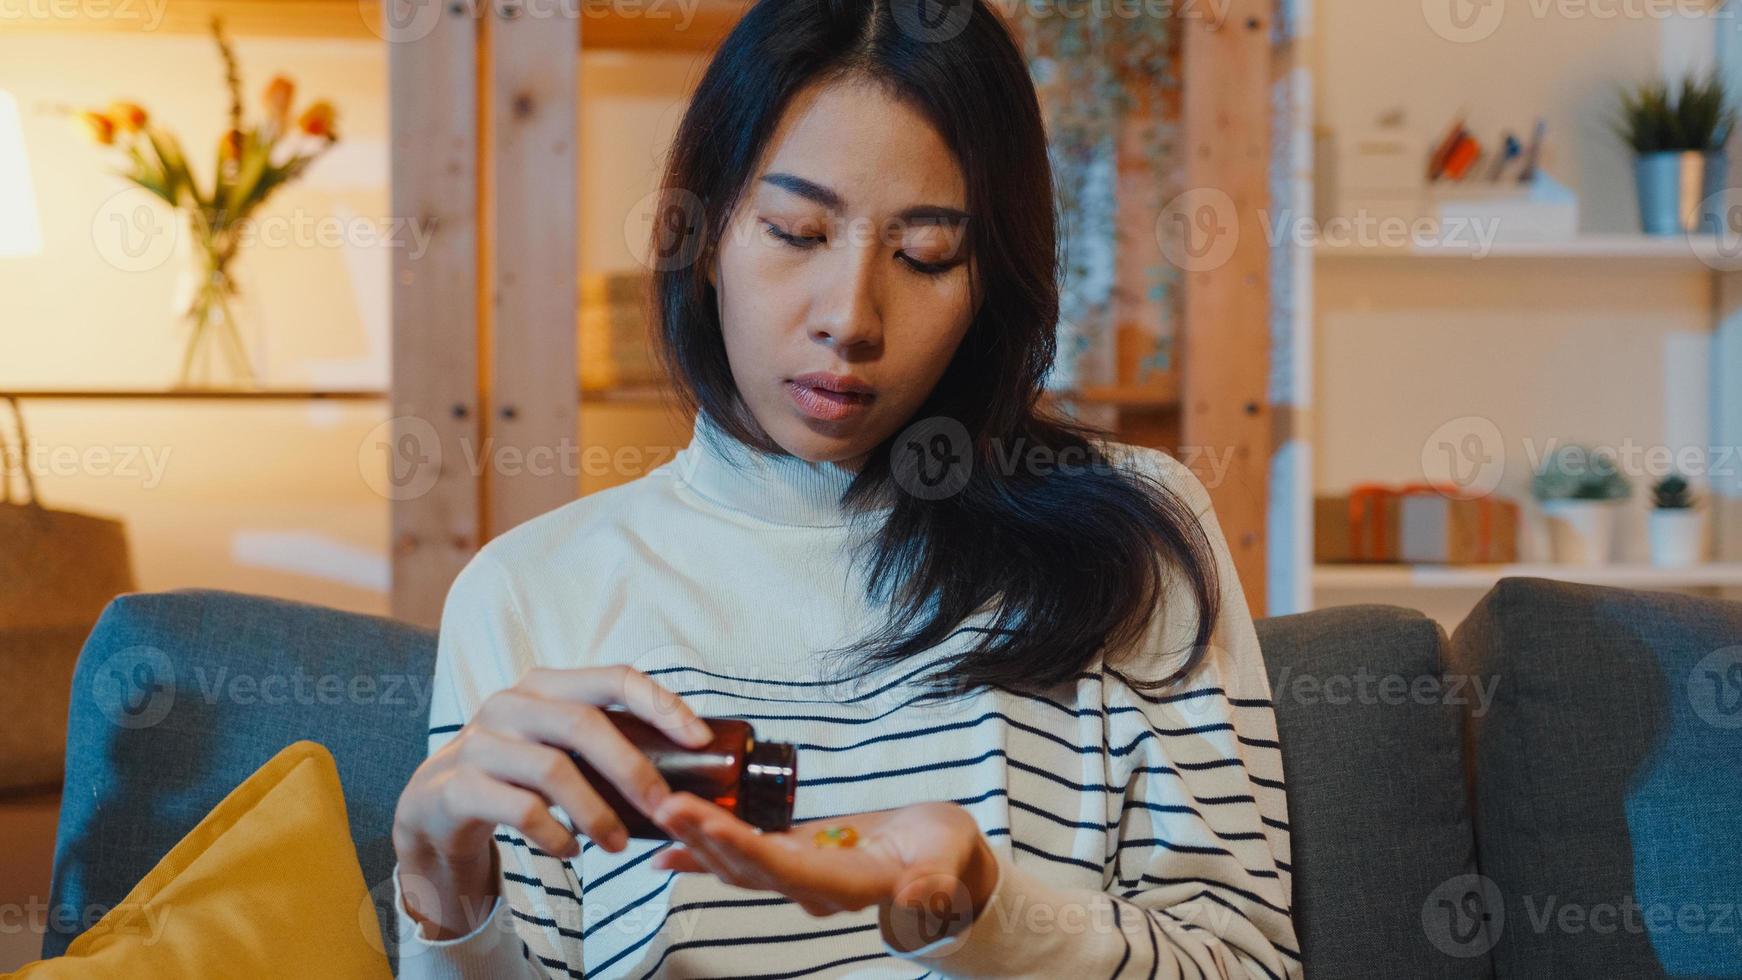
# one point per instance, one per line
(317, 120)
(99, 127)
(279, 93)
(127, 116)
(230, 145)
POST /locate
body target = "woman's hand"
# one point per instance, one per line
(927, 866)
(508, 766)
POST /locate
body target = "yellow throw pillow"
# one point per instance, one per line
(266, 886)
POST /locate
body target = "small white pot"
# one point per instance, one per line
(1581, 532)
(1678, 536)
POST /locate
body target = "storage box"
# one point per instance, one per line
(1541, 211)
(1414, 523)
(1354, 527)
(1436, 529)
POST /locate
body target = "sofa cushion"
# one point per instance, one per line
(1372, 748)
(178, 696)
(265, 886)
(1609, 778)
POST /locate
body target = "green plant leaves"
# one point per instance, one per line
(1696, 117)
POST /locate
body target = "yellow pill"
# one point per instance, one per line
(835, 837)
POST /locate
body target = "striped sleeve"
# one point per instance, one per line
(1197, 881)
(482, 647)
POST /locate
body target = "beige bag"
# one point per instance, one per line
(58, 569)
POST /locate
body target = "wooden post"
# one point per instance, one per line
(1225, 333)
(435, 406)
(485, 368)
(532, 365)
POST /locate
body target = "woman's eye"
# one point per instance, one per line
(933, 269)
(797, 241)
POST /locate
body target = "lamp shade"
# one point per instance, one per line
(20, 229)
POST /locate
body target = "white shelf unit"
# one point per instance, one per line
(1718, 254)
(1600, 338)
(1632, 576)
(1595, 255)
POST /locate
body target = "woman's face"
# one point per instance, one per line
(846, 256)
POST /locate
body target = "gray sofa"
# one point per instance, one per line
(1555, 790)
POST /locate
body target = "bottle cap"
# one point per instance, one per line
(770, 778)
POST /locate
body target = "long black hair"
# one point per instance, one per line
(1068, 562)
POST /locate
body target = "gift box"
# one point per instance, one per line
(1436, 529)
(1415, 522)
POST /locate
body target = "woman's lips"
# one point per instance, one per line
(828, 406)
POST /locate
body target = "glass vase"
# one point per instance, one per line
(216, 355)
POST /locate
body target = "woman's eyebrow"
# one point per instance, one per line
(927, 214)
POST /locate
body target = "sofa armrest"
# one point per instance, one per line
(178, 696)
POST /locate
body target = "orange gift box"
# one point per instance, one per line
(1414, 522)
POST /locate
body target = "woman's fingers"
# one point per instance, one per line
(678, 857)
(471, 796)
(585, 731)
(717, 842)
(621, 684)
(731, 867)
(551, 773)
(735, 867)
(732, 850)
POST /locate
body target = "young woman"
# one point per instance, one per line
(1013, 654)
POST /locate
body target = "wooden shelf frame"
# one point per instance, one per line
(196, 394)
(625, 393)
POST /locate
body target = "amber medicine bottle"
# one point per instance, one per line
(753, 779)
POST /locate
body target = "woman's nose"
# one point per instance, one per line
(848, 313)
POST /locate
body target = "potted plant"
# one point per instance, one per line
(1677, 529)
(1579, 491)
(1678, 140)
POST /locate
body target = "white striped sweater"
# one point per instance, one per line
(1138, 834)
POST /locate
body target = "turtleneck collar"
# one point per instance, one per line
(780, 489)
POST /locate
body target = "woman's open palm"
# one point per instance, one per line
(929, 858)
